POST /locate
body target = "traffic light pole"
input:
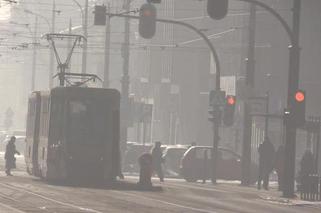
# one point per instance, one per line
(107, 51)
(125, 80)
(216, 122)
(293, 83)
(247, 121)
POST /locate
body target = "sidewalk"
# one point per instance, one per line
(274, 196)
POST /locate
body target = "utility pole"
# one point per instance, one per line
(69, 44)
(51, 59)
(247, 121)
(125, 78)
(34, 55)
(293, 85)
(85, 28)
(107, 50)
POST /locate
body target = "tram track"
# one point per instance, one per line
(15, 198)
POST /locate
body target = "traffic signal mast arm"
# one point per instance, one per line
(200, 33)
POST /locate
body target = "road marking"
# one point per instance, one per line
(167, 203)
(11, 208)
(52, 200)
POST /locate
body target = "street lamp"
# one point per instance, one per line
(34, 57)
(38, 15)
(81, 11)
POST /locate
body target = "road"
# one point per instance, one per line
(22, 193)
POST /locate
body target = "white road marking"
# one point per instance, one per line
(167, 203)
(52, 200)
(11, 208)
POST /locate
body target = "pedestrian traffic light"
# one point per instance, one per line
(229, 110)
(100, 15)
(217, 9)
(298, 112)
(147, 21)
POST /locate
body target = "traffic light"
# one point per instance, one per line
(298, 112)
(217, 9)
(147, 21)
(100, 15)
(229, 110)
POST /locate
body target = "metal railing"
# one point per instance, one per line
(310, 189)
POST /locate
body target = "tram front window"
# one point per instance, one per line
(85, 122)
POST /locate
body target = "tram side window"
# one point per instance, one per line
(44, 117)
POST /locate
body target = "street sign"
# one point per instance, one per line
(217, 98)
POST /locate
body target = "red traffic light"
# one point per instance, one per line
(299, 96)
(147, 21)
(230, 100)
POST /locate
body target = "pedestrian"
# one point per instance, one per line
(279, 166)
(10, 155)
(266, 162)
(157, 159)
(146, 170)
(307, 166)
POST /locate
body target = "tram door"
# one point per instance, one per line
(32, 133)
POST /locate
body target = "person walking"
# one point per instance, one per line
(306, 166)
(157, 159)
(10, 155)
(266, 162)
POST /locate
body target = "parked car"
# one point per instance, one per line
(172, 156)
(228, 166)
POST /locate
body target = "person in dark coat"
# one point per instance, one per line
(146, 169)
(158, 160)
(9, 155)
(266, 162)
(279, 165)
(307, 165)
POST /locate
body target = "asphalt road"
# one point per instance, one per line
(22, 193)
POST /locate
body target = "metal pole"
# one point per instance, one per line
(51, 60)
(84, 51)
(318, 145)
(107, 51)
(247, 122)
(267, 103)
(293, 84)
(34, 55)
(125, 78)
(69, 43)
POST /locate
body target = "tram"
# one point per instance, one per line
(73, 132)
